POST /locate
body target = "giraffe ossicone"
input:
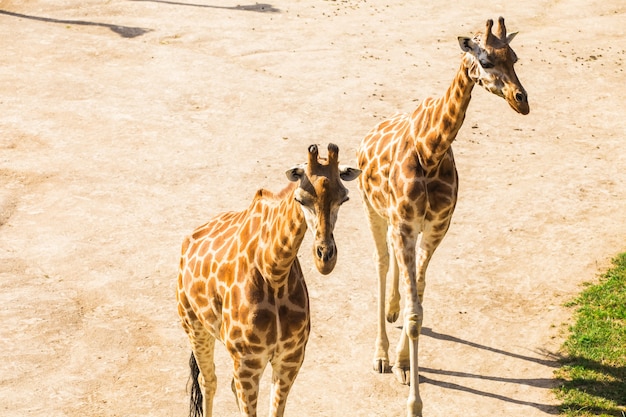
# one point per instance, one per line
(240, 282)
(409, 188)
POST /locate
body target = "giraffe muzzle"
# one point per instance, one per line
(519, 102)
(325, 257)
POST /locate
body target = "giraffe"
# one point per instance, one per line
(409, 187)
(240, 282)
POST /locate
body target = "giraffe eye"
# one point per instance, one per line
(485, 64)
(304, 200)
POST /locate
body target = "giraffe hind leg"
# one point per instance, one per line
(203, 379)
(378, 227)
(393, 302)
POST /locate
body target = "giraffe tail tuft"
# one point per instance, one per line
(195, 403)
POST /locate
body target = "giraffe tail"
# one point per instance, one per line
(195, 403)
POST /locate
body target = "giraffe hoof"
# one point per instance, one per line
(382, 366)
(402, 373)
(392, 316)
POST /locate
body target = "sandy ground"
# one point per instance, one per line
(126, 123)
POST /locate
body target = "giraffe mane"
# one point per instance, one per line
(270, 196)
(263, 193)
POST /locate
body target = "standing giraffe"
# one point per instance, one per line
(240, 282)
(409, 188)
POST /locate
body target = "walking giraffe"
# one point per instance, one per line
(240, 282)
(409, 188)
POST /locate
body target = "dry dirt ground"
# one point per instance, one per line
(126, 123)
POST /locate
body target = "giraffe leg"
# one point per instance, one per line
(406, 367)
(393, 302)
(425, 251)
(283, 376)
(203, 379)
(414, 402)
(203, 346)
(378, 226)
(246, 378)
(403, 356)
(402, 367)
(427, 244)
(411, 346)
(405, 265)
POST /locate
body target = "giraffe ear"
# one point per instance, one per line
(347, 173)
(468, 45)
(295, 173)
(510, 37)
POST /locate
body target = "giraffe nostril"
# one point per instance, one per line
(330, 253)
(520, 97)
(325, 253)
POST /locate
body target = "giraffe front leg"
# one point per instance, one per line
(427, 243)
(414, 402)
(404, 249)
(246, 378)
(405, 360)
(406, 368)
(283, 376)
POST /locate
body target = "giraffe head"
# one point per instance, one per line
(491, 61)
(320, 194)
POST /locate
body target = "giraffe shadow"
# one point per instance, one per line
(546, 408)
(547, 383)
(257, 7)
(553, 362)
(123, 31)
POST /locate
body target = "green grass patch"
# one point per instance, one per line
(593, 372)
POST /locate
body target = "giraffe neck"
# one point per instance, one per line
(282, 232)
(437, 121)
